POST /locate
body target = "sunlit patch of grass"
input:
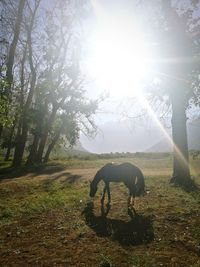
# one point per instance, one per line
(41, 199)
(161, 198)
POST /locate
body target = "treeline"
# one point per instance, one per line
(82, 155)
(42, 98)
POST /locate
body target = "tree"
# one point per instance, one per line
(180, 66)
(23, 126)
(180, 49)
(174, 28)
(40, 76)
(59, 85)
(5, 96)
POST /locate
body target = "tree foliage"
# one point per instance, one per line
(43, 100)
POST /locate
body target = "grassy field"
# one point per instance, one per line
(48, 219)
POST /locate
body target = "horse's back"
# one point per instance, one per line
(119, 173)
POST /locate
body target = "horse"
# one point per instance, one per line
(127, 173)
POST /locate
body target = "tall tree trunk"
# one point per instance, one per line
(33, 152)
(13, 45)
(178, 45)
(45, 134)
(20, 146)
(181, 169)
(56, 106)
(52, 144)
(43, 141)
(21, 142)
(1, 130)
(7, 156)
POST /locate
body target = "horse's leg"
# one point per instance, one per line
(108, 191)
(103, 195)
(129, 199)
(133, 203)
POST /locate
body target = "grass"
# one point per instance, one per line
(38, 198)
(47, 219)
(106, 261)
(145, 261)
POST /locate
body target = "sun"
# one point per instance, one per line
(120, 58)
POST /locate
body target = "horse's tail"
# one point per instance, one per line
(140, 184)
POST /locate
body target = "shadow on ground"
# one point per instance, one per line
(65, 178)
(139, 230)
(16, 172)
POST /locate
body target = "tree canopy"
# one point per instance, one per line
(43, 98)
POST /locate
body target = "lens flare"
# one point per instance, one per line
(146, 105)
(120, 58)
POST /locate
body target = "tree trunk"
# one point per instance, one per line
(45, 134)
(11, 55)
(1, 130)
(52, 144)
(20, 146)
(10, 144)
(56, 106)
(21, 142)
(13, 45)
(181, 169)
(33, 152)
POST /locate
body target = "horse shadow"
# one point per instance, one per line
(139, 230)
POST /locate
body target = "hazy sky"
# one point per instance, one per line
(115, 60)
(118, 61)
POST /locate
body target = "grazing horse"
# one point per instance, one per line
(127, 173)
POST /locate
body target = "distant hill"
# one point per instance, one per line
(79, 147)
(63, 152)
(193, 129)
(162, 146)
(140, 136)
(123, 136)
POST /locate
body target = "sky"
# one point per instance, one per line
(118, 61)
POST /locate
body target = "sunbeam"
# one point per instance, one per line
(146, 105)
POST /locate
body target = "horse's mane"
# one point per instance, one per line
(97, 177)
(99, 173)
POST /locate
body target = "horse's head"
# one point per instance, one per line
(93, 189)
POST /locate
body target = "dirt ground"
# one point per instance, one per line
(165, 232)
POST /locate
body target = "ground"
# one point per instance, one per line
(48, 219)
